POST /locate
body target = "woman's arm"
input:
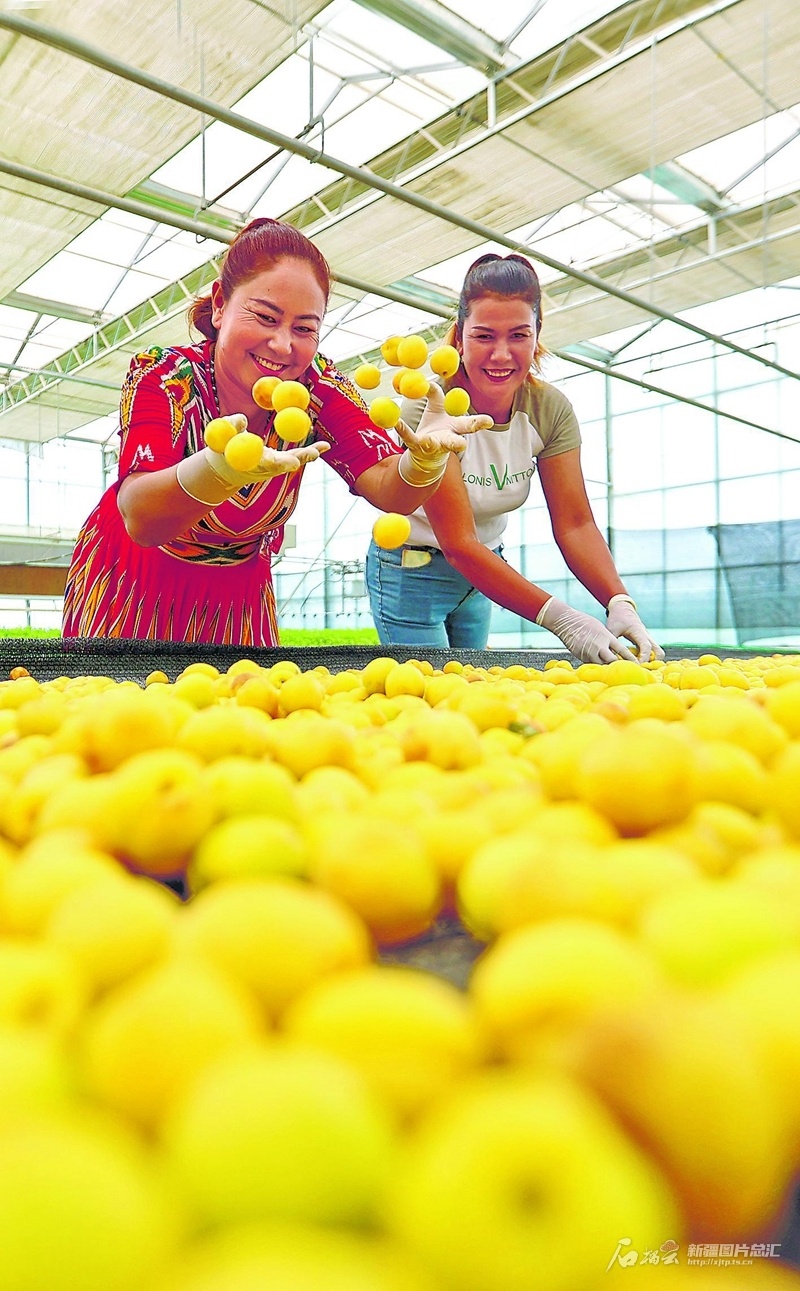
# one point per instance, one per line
(451, 518)
(453, 523)
(157, 506)
(154, 507)
(574, 527)
(383, 486)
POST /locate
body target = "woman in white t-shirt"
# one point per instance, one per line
(438, 589)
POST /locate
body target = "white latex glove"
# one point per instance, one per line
(436, 437)
(207, 477)
(623, 621)
(584, 636)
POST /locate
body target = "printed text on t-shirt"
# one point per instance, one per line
(486, 481)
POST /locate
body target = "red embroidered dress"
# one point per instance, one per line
(214, 582)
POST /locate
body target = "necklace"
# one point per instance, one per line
(259, 429)
(213, 376)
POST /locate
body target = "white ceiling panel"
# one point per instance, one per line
(63, 116)
(694, 86)
(679, 274)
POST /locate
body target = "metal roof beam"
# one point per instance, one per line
(689, 188)
(414, 292)
(160, 198)
(62, 376)
(172, 300)
(133, 205)
(741, 229)
(524, 22)
(52, 308)
(671, 394)
(98, 58)
(166, 304)
(437, 24)
(427, 293)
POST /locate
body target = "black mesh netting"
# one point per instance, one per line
(132, 660)
(761, 563)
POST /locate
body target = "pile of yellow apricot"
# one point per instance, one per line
(239, 1088)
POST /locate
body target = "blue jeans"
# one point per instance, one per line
(429, 604)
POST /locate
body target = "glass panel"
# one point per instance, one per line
(690, 507)
(743, 451)
(586, 393)
(543, 564)
(638, 550)
(13, 503)
(593, 457)
(689, 548)
(691, 600)
(637, 452)
(758, 402)
(639, 511)
(688, 445)
(745, 501)
(789, 483)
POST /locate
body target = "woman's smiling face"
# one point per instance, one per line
(498, 344)
(269, 326)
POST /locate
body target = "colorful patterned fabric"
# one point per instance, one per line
(213, 583)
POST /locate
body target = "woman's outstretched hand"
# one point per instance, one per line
(209, 476)
(436, 437)
(273, 461)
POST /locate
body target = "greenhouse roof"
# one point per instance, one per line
(646, 154)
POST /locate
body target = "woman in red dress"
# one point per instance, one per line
(179, 548)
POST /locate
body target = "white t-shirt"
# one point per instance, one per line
(498, 465)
